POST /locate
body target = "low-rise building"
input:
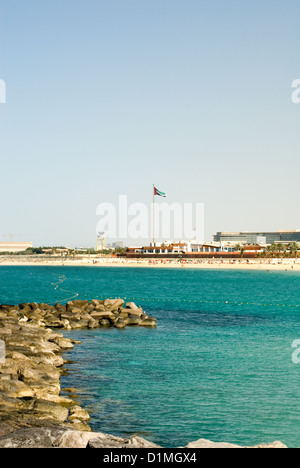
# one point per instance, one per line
(176, 248)
(261, 238)
(15, 246)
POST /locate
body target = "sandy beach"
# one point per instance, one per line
(257, 264)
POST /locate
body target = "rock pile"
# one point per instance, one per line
(30, 379)
(80, 314)
(30, 373)
(65, 438)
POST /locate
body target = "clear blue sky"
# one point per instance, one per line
(108, 97)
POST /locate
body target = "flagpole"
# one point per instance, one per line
(153, 218)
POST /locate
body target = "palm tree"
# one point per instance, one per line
(280, 248)
(274, 249)
(268, 251)
(293, 248)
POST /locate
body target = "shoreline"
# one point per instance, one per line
(227, 264)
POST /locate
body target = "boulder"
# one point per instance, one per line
(79, 439)
(93, 323)
(75, 324)
(67, 316)
(136, 442)
(84, 322)
(53, 322)
(131, 305)
(39, 373)
(69, 306)
(148, 322)
(124, 312)
(13, 314)
(48, 358)
(15, 356)
(81, 304)
(105, 323)
(64, 343)
(203, 443)
(102, 441)
(4, 332)
(60, 400)
(50, 410)
(16, 389)
(76, 412)
(120, 323)
(76, 310)
(133, 320)
(102, 314)
(113, 304)
(42, 379)
(272, 445)
(31, 438)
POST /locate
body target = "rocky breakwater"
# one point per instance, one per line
(30, 390)
(82, 314)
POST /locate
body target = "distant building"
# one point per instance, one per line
(261, 238)
(14, 246)
(175, 248)
(159, 248)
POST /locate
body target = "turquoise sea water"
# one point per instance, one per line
(218, 366)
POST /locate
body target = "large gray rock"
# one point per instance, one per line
(16, 389)
(50, 410)
(78, 413)
(31, 438)
(133, 320)
(113, 304)
(203, 443)
(138, 442)
(79, 439)
(148, 322)
(120, 323)
(272, 445)
(104, 441)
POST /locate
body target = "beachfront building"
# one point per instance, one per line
(260, 238)
(175, 248)
(14, 246)
(179, 247)
(195, 247)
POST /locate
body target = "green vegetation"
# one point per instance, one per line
(65, 252)
(280, 250)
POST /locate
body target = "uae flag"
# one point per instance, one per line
(160, 194)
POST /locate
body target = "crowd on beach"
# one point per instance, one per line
(277, 263)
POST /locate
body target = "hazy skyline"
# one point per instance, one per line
(108, 98)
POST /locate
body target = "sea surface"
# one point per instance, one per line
(218, 366)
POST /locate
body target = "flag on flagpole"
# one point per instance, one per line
(159, 193)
